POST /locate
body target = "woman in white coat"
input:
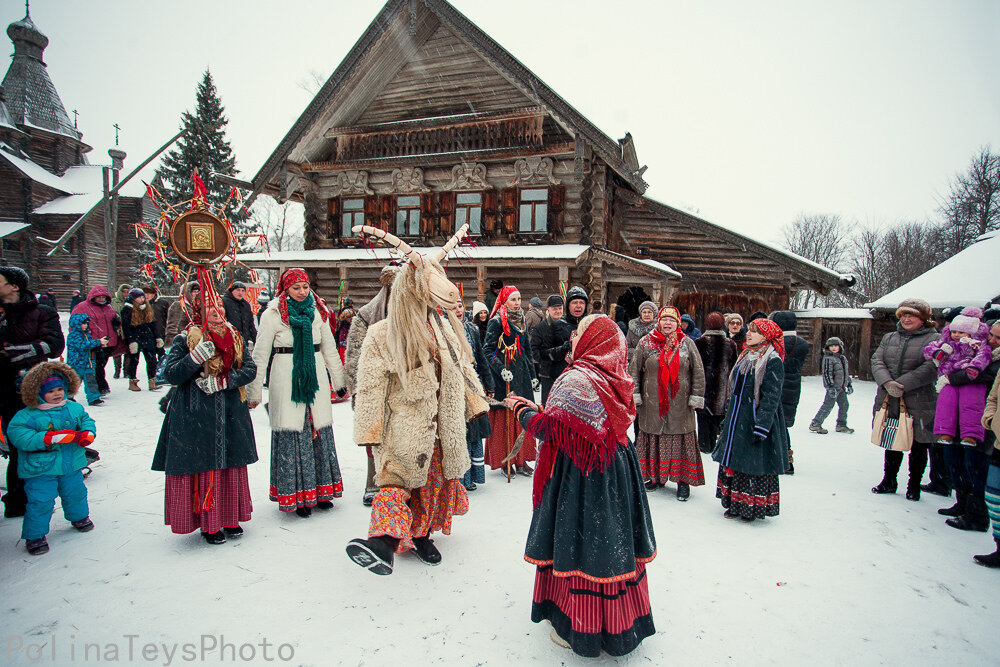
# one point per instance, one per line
(304, 468)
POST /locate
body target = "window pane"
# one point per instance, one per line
(354, 204)
(414, 221)
(460, 217)
(470, 198)
(534, 195)
(475, 220)
(541, 217)
(406, 202)
(524, 222)
(400, 223)
(348, 222)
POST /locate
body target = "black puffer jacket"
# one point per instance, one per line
(240, 315)
(796, 351)
(550, 345)
(24, 323)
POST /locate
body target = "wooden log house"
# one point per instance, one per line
(46, 183)
(428, 123)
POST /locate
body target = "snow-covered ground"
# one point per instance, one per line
(840, 577)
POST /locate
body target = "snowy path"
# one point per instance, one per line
(864, 579)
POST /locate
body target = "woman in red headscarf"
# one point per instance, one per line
(669, 386)
(508, 350)
(753, 447)
(591, 534)
(305, 472)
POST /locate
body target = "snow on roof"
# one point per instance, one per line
(969, 278)
(659, 266)
(800, 258)
(10, 227)
(32, 170)
(835, 313)
(68, 205)
(568, 252)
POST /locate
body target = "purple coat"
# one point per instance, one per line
(102, 318)
(970, 352)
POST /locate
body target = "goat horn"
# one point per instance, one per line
(455, 239)
(389, 239)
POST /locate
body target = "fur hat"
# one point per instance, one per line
(496, 284)
(733, 316)
(15, 275)
(833, 340)
(555, 301)
(535, 302)
(149, 289)
(968, 322)
(33, 380)
(647, 305)
(785, 319)
(917, 307)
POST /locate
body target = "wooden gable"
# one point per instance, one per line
(445, 76)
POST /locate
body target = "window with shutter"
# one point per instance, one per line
(490, 212)
(533, 211)
(446, 213)
(332, 218)
(352, 213)
(557, 204)
(407, 215)
(469, 209)
(508, 209)
(386, 212)
(427, 210)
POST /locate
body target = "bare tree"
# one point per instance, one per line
(312, 82)
(282, 225)
(885, 259)
(972, 206)
(821, 238)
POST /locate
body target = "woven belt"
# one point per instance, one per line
(288, 350)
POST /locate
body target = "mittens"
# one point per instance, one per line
(973, 373)
(203, 351)
(84, 438)
(947, 348)
(61, 437)
(159, 342)
(895, 389)
(941, 383)
(212, 384)
(133, 348)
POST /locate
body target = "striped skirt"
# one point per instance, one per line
(499, 443)
(670, 458)
(750, 496)
(222, 497)
(591, 616)
(304, 467)
(993, 499)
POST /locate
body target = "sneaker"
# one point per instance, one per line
(84, 525)
(970, 442)
(844, 428)
(217, 537)
(37, 547)
(945, 440)
(816, 428)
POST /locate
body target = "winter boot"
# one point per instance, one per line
(96, 402)
(304, 512)
(976, 516)
(426, 551)
(958, 509)
(153, 386)
(885, 486)
(91, 454)
(37, 547)
(368, 498)
(233, 532)
(133, 385)
(683, 491)
(325, 504)
(374, 554)
(913, 490)
(817, 428)
(936, 489)
(990, 560)
(217, 537)
(525, 470)
(84, 525)
(844, 428)
(562, 643)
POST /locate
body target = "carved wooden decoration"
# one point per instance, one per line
(534, 171)
(353, 183)
(408, 179)
(467, 176)
(199, 237)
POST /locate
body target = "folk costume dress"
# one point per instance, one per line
(207, 441)
(753, 447)
(508, 346)
(591, 535)
(670, 385)
(304, 465)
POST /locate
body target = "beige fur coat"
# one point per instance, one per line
(402, 423)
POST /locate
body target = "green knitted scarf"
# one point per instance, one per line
(300, 318)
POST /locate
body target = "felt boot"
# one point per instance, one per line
(426, 551)
(374, 554)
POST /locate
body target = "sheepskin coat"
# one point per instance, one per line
(401, 423)
(285, 414)
(645, 370)
(636, 330)
(370, 313)
(718, 354)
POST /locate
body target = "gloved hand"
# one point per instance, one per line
(895, 389)
(203, 351)
(534, 384)
(84, 438)
(133, 348)
(61, 437)
(506, 375)
(850, 389)
(342, 392)
(19, 353)
(947, 348)
(973, 373)
(942, 382)
(638, 399)
(212, 383)
(159, 342)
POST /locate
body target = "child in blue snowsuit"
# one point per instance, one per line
(80, 350)
(50, 435)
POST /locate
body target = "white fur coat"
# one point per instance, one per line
(401, 424)
(286, 415)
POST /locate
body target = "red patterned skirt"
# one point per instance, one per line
(500, 441)
(222, 497)
(670, 458)
(405, 514)
(750, 496)
(591, 616)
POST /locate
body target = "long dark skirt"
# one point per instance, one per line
(750, 496)
(670, 458)
(304, 467)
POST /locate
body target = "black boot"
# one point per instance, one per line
(913, 491)
(215, 538)
(958, 509)
(976, 517)
(233, 532)
(885, 486)
(683, 491)
(374, 554)
(936, 489)
(325, 504)
(426, 551)
(304, 512)
(990, 560)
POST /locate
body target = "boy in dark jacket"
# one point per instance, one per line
(837, 381)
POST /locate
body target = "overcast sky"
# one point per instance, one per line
(747, 113)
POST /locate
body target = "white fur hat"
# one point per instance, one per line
(478, 306)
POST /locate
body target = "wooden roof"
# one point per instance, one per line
(393, 40)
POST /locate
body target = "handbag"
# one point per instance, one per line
(893, 433)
